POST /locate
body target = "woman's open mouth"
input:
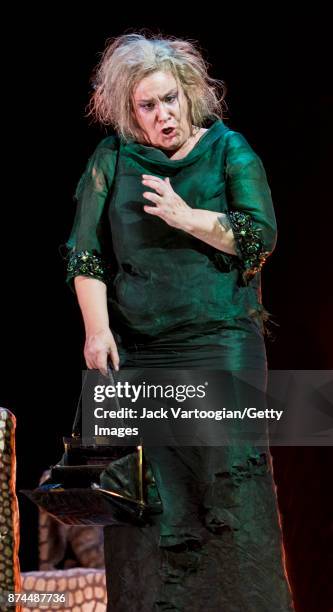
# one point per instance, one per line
(168, 132)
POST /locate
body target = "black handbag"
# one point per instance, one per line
(94, 484)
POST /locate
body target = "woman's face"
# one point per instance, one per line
(161, 111)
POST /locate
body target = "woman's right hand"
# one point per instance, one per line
(98, 348)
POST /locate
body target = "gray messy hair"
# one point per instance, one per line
(129, 58)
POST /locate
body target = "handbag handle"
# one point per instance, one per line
(77, 424)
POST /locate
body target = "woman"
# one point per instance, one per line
(174, 222)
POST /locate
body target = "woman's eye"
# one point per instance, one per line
(148, 106)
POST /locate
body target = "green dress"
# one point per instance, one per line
(177, 302)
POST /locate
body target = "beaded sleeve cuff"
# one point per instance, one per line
(87, 263)
(248, 243)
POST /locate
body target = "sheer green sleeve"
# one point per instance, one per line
(251, 213)
(90, 242)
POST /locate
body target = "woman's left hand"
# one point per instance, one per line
(169, 205)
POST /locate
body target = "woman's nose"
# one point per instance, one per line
(162, 112)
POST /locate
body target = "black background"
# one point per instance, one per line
(277, 69)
